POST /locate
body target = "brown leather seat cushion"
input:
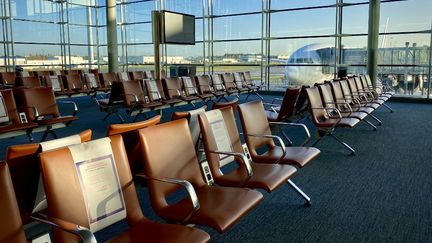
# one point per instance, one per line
(345, 122)
(215, 211)
(147, 231)
(265, 176)
(271, 116)
(17, 127)
(298, 156)
(206, 95)
(54, 120)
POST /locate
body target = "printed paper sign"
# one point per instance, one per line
(55, 83)
(92, 79)
(99, 182)
(189, 85)
(154, 92)
(4, 117)
(221, 135)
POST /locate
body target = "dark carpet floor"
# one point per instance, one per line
(382, 194)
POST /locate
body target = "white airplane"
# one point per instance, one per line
(307, 75)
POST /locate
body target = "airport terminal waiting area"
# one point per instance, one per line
(123, 157)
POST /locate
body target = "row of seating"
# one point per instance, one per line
(140, 95)
(344, 103)
(218, 194)
(28, 110)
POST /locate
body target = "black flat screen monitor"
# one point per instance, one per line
(177, 28)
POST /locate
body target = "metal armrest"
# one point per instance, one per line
(184, 183)
(281, 143)
(295, 125)
(35, 111)
(342, 103)
(75, 108)
(136, 100)
(242, 157)
(85, 234)
(330, 116)
(272, 108)
(277, 99)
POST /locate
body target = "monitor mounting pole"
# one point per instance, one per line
(156, 42)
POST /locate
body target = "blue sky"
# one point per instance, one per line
(412, 15)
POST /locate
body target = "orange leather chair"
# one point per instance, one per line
(71, 207)
(173, 91)
(189, 88)
(11, 229)
(219, 89)
(13, 126)
(137, 75)
(93, 83)
(230, 85)
(233, 104)
(249, 83)
(239, 81)
(247, 173)
(113, 103)
(167, 172)
(327, 119)
(203, 87)
(380, 91)
(286, 109)
(7, 79)
(24, 168)
(131, 140)
(155, 92)
(28, 82)
(123, 76)
(257, 134)
(45, 111)
(106, 79)
(75, 84)
(135, 100)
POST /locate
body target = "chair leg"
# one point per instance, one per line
(343, 143)
(388, 107)
(256, 93)
(48, 131)
(301, 193)
(290, 143)
(120, 117)
(376, 119)
(106, 116)
(370, 124)
(247, 97)
(29, 135)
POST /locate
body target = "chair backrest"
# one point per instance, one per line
(131, 140)
(149, 74)
(66, 200)
(154, 89)
(248, 78)
(172, 87)
(314, 99)
(192, 117)
(71, 72)
(228, 80)
(169, 153)
(28, 82)
(107, 79)
(337, 91)
(92, 80)
(203, 83)
(353, 86)
(9, 107)
(54, 82)
(217, 82)
(132, 89)
(233, 104)
(301, 104)
(188, 85)
(41, 73)
(137, 75)
(345, 89)
(254, 121)
(24, 168)
(364, 81)
(11, 229)
(73, 81)
(238, 79)
(289, 101)
(123, 76)
(359, 83)
(217, 135)
(41, 98)
(326, 95)
(7, 78)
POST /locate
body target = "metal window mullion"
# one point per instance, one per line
(430, 64)
(97, 35)
(267, 79)
(203, 34)
(11, 35)
(263, 24)
(68, 35)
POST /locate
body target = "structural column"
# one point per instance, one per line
(111, 13)
(373, 35)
